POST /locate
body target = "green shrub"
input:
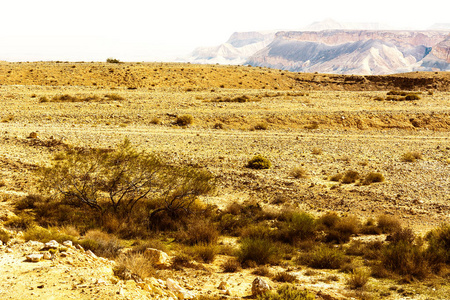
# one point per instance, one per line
(438, 250)
(44, 235)
(406, 259)
(184, 120)
(205, 252)
(259, 162)
(297, 226)
(22, 221)
(200, 232)
(287, 292)
(259, 251)
(323, 257)
(373, 177)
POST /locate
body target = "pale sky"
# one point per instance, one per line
(132, 30)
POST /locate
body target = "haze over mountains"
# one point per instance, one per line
(341, 48)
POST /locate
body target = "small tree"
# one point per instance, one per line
(115, 181)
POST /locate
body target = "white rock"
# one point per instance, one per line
(47, 255)
(9, 250)
(79, 247)
(35, 257)
(91, 254)
(259, 286)
(180, 292)
(51, 245)
(157, 257)
(68, 243)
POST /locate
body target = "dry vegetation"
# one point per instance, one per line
(321, 181)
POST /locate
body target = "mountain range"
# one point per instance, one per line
(340, 48)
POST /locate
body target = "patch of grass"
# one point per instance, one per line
(205, 252)
(350, 177)
(22, 221)
(44, 235)
(134, 266)
(287, 292)
(388, 224)
(296, 226)
(259, 162)
(101, 243)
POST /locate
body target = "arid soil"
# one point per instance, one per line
(327, 124)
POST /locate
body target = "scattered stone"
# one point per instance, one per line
(177, 290)
(158, 257)
(9, 250)
(35, 257)
(79, 247)
(68, 243)
(33, 135)
(259, 286)
(64, 254)
(47, 255)
(51, 245)
(91, 254)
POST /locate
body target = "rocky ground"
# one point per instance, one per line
(322, 127)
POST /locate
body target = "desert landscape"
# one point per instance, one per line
(352, 164)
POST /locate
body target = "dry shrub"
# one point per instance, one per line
(342, 229)
(259, 162)
(22, 221)
(141, 245)
(101, 243)
(336, 177)
(373, 177)
(257, 250)
(287, 292)
(44, 235)
(295, 227)
(206, 252)
(285, 277)
(388, 224)
(358, 278)
(323, 257)
(262, 271)
(411, 156)
(231, 265)
(261, 126)
(350, 177)
(199, 232)
(4, 236)
(298, 172)
(316, 151)
(184, 120)
(438, 251)
(134, 266)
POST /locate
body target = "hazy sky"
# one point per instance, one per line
(93, 30)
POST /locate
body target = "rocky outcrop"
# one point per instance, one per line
(442, 49)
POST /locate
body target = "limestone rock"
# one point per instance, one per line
(222, 286)
(68, 243)
(35, 257)
(51, 245)
(157, 257)
(47, 255)
(79, 247)
(259, 286)
(180, 292)
(91, 254)
(9, 250)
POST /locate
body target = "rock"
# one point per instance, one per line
(68, 243)
(222, 286)
(91, 254)
(259, 286)
(79, 247)
(33, 135)
(47, 255)
(64, 254)
(157, 257)
(35, 257)
(51, 245)
(176, 289)
(8, 250)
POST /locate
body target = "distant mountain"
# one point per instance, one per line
(333, 47)
(356, 51)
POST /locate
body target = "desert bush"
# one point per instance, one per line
(200, 232)
(285, 277)
(316, 151)
(259, 251)
(411, 156)
(28, 202)
(184, 120)
(438, 250)
(296, 226)
(155, 121)
(134, 266)
(350, 177)
(114, 97)
(259, 230)
(204, 252)
(343, 229)
(373, 177)
(358, 278)
(261, 126)
(323, 257)
(329, 219)
(101, 243)
(388, 224)
(140, 246)
(259, 162)
(115, 182)
(410, 97)
(298, 172)
(402, 235)
(232, 224)
(22, 221)
(112, 60)
(37, 233)
(287, 292)
(262, 271)
(4, 236)
(231, 265)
